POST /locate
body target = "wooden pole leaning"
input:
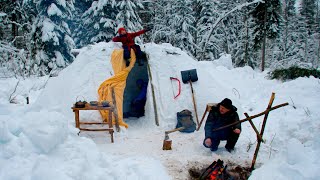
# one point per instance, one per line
(153, 95)
(115, 111)
(262, 131)
(254, 127)
(208, 109)
(194, 103)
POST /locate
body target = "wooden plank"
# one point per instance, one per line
(88, 129)
(89, 123)
(89, 107)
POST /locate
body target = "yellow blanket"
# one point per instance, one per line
(118, 82)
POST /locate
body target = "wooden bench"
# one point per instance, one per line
(104, 122)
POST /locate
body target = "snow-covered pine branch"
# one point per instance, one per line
(224, 16)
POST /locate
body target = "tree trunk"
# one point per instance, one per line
(246, 61)
(285, 41)
(264, 39)
(14, 28)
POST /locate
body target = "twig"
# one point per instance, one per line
(250, 144)
(271, 144)
(15, 89)
(307, 111)
(235, 90)
(293, 104)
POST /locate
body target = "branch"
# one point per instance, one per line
(252, 117)
(225, 15)
(15, 89)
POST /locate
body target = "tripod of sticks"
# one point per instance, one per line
(249, 118)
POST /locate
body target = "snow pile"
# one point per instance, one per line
(42, 145)
(41, 140)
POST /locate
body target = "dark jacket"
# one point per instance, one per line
(216, 120)
(128, 39)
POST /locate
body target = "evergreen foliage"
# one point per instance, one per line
(293, 73)
(97, 23)
(52, 37)
(127, 15)
(273, 21)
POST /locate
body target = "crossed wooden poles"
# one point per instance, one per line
(249, 118)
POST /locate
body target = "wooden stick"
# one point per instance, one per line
(115, 111)
(194, 103)
(153, 96)
(254, 127)
(94, 123)
(252, 117)
(174, 130)
(76, 112)
(262, 131)
(203, 116)
(86, 129)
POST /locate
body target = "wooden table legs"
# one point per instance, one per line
(77, 124)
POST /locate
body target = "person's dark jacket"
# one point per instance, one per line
(216, 120)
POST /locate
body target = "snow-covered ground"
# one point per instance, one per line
(39, 140)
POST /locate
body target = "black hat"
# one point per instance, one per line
(227, 103)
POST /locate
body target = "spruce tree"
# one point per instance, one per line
(267, 25)
(52, 42)
(182, 24)
(161, 30)
(127, 15)
(207, 16)
(98, 23)
(308, 10)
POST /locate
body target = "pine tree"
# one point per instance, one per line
(127, 15)
(205, 20)
(161, 30)
(308, 10)
(268, 21)
(15, 20)
(98, 22)
(80, 30)
(182, 24)
(51, 34)
(243, 54)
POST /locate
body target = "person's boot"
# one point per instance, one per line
(229, 149)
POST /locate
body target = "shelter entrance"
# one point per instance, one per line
(135, 93)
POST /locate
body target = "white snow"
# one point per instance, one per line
(53, 10)
(39, 141)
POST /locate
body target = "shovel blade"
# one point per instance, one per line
(189, 75)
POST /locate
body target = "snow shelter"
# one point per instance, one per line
(124, 84)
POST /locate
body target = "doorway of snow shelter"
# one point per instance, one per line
(135, 93)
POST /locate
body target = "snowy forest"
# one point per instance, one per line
(37, 36)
